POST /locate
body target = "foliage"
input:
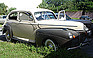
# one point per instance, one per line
(21, 50)
(68, 5)
(0, 25)
(3, 9)
(85, 6)
(10, 9)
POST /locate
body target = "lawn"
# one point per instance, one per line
(75, 18)
(0, 25)
(21, 50)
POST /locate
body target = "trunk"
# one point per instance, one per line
(83, 13)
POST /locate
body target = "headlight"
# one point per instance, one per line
(85, 28)
(71, 35)
(89, 32)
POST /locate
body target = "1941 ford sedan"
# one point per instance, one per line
(41, 26)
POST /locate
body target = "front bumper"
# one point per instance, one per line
(76, 41)
(86, 42)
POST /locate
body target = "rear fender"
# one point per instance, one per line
(5, 28)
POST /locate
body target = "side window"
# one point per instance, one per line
(25, 16)
(13, 16)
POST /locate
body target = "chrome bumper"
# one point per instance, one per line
(86, 42)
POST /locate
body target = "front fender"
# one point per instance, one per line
(60, 36)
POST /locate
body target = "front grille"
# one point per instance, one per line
(82, 37)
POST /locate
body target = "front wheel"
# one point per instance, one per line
(51, 44)
(8, 36)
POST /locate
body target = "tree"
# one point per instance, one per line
(10, 9)
(85, 6)
(3, 9)
(68, 5)
(57, 5)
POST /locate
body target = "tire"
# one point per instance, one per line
(8, 36)
(51, 44)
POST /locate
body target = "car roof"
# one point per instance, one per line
(33, 10)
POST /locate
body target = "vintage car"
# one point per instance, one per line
(37, 26)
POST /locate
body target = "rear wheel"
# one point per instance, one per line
(8, 36)
(51, 44)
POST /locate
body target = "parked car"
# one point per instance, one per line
(2, 18)
(85, 17)
(37, 26)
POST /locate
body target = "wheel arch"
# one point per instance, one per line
(5, 28)
(41, 38)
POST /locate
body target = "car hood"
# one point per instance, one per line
(61, 24)
(83, 21)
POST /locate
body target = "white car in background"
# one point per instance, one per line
(2, 18)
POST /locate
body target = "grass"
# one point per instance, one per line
(11, 50)
(21, 50)
(0, 25)
(75, 18)
(92, 21)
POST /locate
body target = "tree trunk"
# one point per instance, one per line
(83, 12)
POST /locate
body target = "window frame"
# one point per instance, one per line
(30, 19)
(11, 14)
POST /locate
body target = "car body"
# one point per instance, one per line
(2, 18)
(37, 26)
(86, 22)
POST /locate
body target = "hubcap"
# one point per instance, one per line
(8, 36)
(49, 43)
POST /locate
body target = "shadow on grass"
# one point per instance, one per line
(2, 38)
(63, 53)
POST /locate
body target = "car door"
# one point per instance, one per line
(25, 26)
(61, 15)
(13, 22)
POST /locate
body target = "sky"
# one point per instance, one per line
(21, 4)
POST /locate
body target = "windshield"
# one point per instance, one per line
(45, 15)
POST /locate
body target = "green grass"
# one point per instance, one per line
(0, 25)
(11, 50)
(21, 50)
(92, 21)
(75, 18)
